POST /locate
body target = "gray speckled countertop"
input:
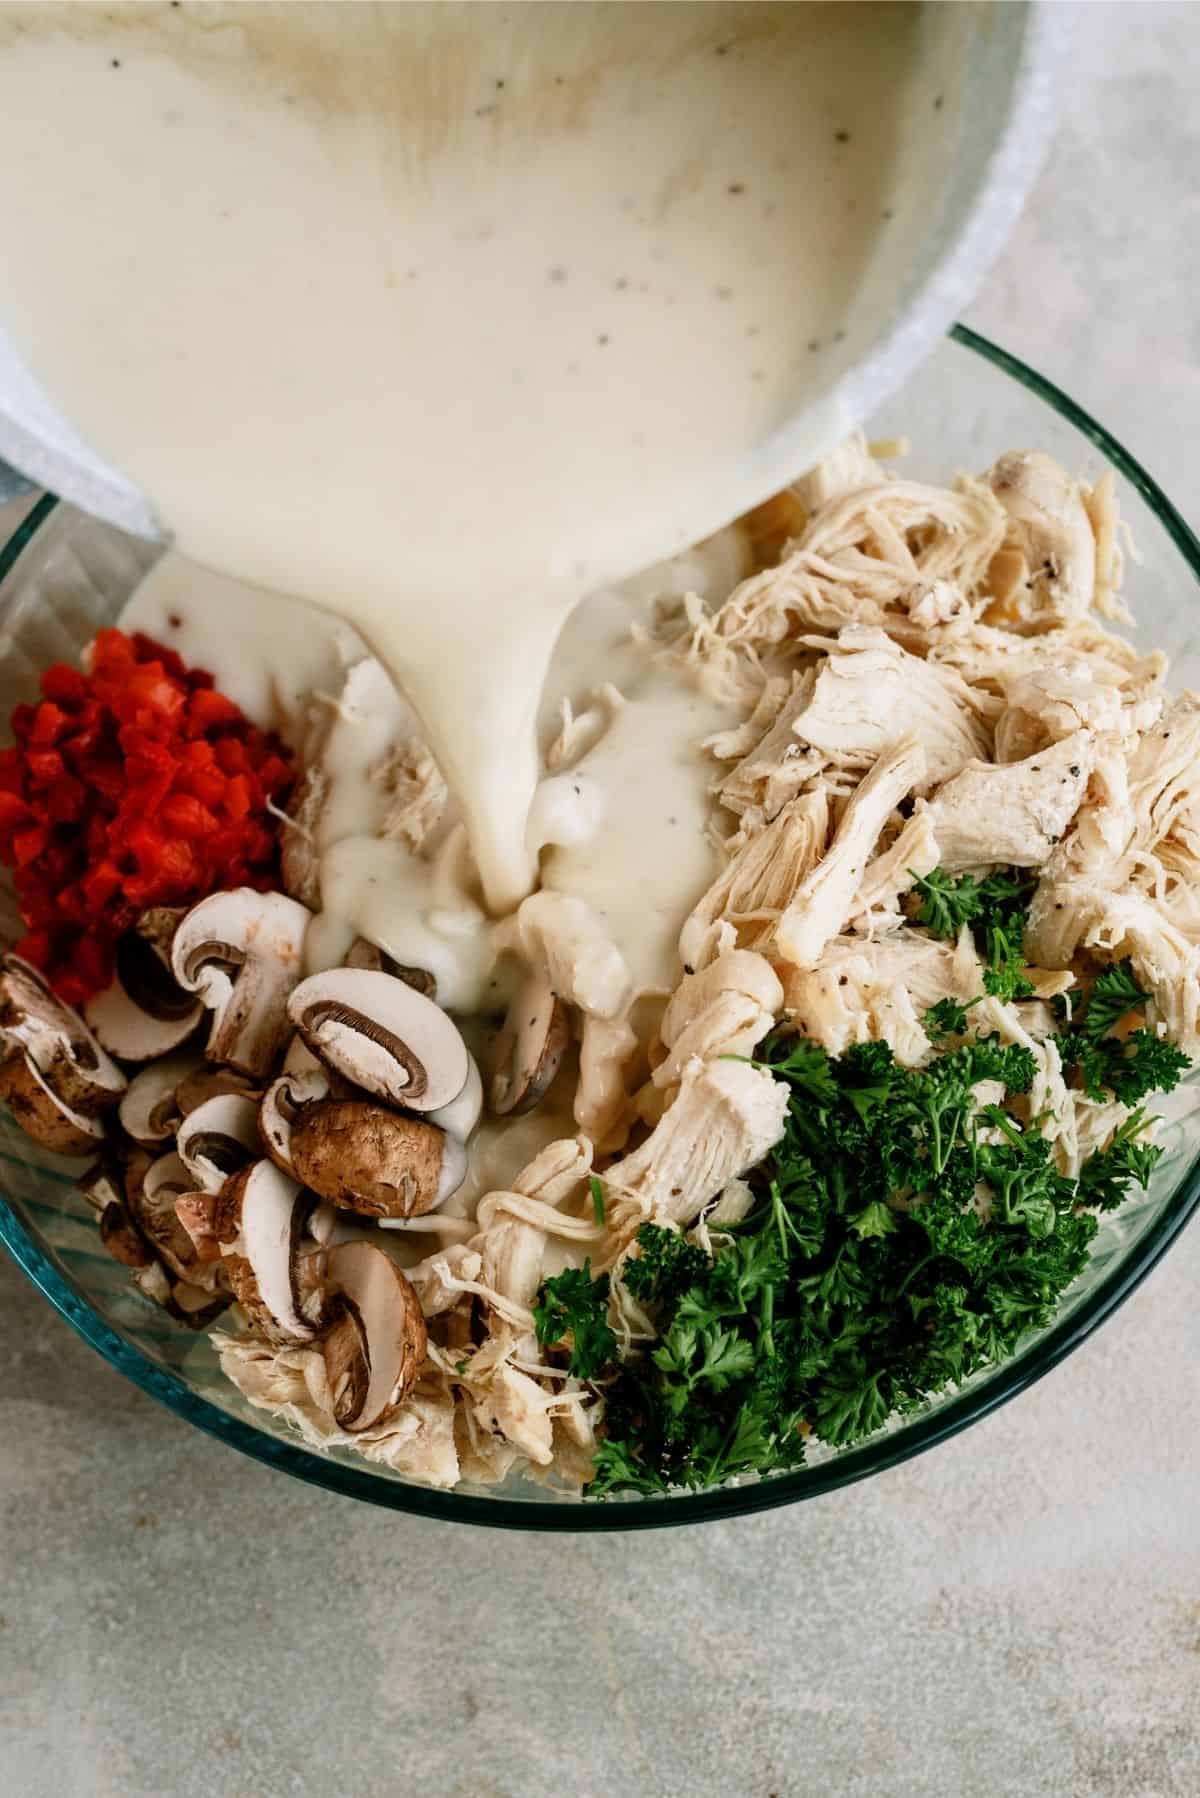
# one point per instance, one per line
(1015, 1615)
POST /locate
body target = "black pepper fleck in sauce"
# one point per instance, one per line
(841, 137)
(736, 187)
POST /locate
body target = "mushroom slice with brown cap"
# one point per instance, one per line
(144, 1013)
(241, 952)
(382, 1035)
(282, 1104)
(376, 1343)
(347, 1368)
(56, 1042)
(150, 1110)
(197, 1214)
(152, 1205)
(218, 1139)
(366, 1158)
(529, 1049)
(120, 1236)
(261, 1225)
(44, 1117)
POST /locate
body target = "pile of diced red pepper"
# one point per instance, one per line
(133, 785)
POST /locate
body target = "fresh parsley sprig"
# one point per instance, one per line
(574, 1305)
(996, 910)
(1126, 1068)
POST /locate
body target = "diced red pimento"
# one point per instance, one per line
(134, 783)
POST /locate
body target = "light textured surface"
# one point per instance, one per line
(1012, 1616)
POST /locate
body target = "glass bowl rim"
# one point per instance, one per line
(562, 1515)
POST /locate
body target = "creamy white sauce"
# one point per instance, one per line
(637, 803)
(436, 316)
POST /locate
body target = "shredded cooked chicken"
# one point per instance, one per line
(925, 679)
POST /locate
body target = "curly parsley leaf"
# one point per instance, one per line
(1115, 992)
(948, 1017)
(665, 1266)
(1124, 1068)
(996, 910)
(946, 903)
(807, 1065)
(573, 1304)
(1106, 1178)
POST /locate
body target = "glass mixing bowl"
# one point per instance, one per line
(62, 575)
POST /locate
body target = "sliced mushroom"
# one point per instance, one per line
(45, 1118)
(529, 1049)
(206, 1083)
(364, 954)
(136, 1163)
(271, 1263)
(56, 1042)
(365, 1158)
(150, 1110)
(145, 1013)
(152, 1205)
(347, 1369)
(282, 1104)
(197, 1214)
(218, 1139)
(241, 952)
(382, 1035)
(102, 1185)
(459, 1118)
(377, 1342)
(122, 1238)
